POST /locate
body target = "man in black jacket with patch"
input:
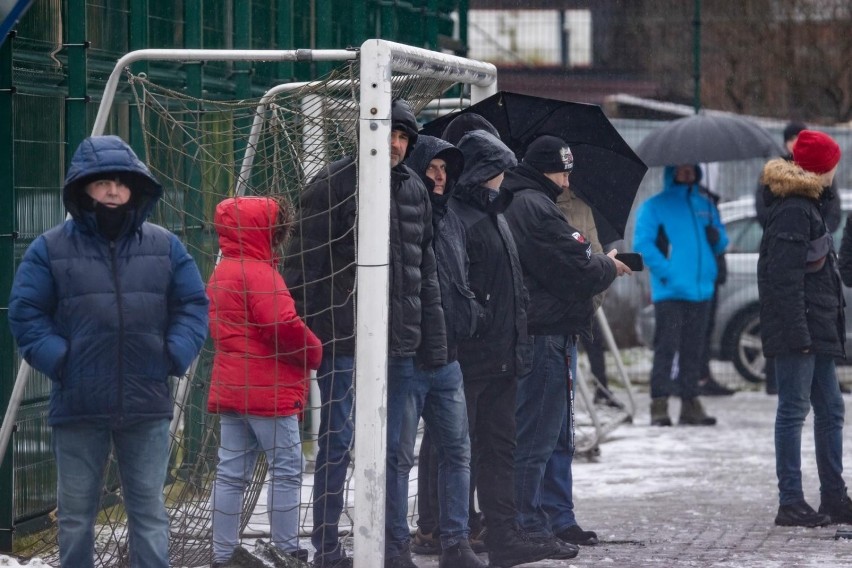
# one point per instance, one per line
(493, 358)
(322, 281)
(803, 327)
(562, 276)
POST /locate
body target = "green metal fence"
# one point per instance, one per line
(52, 72)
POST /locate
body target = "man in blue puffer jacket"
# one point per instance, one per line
(679, 233)
(109, 306)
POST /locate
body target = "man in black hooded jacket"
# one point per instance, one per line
(562, 276)
(438, 392)
(321, 279)
(498, 352)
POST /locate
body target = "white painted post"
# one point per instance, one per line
(371, 303)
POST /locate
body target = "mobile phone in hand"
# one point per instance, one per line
(633, 260)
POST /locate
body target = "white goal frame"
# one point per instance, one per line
(379, 60)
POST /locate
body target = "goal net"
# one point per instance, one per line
(204, 151)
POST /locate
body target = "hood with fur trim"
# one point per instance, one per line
(786, 179)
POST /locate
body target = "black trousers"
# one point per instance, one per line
(491, 412)
(681, 327)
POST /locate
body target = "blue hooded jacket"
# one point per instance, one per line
(108, 320)
(687, 270)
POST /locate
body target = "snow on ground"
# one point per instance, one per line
(686, 496)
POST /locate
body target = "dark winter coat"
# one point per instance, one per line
(108, 321)
(560, 271)
(801, 301)
(462, 312)
(264, 351)
(321, 269)
(501, 346)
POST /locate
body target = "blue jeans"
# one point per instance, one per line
(805, 381)
(335, 439)
(337, 426)
(242, 439)
(142, 452)
(401, 380)
(438, 394)
(557, 490)
(542, 407)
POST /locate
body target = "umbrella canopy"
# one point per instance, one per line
(703, 138)
(607, 172)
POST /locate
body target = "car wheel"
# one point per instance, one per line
(745, 346)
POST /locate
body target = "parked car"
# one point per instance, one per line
(736, 336)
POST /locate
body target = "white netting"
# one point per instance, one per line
(197, 148)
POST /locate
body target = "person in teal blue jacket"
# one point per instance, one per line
(679, 234)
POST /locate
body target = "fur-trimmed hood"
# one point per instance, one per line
(786, 179)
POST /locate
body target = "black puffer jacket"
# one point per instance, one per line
(321, 272)
(462, 311)
(501, 346)
(801, 302)
(560, 271)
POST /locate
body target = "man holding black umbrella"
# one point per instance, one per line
(562, 275)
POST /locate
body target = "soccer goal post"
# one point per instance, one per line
(283, 143)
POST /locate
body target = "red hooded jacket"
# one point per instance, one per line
(264, 351)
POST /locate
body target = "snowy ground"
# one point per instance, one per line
(689, 496)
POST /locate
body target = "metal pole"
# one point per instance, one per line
(206, 55)
(189, 411)
(696, 56)
(8, 210)
(616, 354)
(371, 303)
(138, 40)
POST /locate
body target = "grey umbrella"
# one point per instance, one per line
(703, 138)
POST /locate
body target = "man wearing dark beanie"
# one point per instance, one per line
(802, 327)
(562, 276)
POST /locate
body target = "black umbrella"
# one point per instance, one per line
(704, 138)
(607, 172)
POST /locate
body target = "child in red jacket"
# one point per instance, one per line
(259, 386)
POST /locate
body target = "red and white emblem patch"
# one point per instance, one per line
(578, 237)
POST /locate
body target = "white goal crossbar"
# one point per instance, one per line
(379, 60)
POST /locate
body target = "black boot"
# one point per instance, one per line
(460, 555)
(800, 515)
(562, 550)
(576, 535)
(839, 510)
(708, 386)
(508, 548)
